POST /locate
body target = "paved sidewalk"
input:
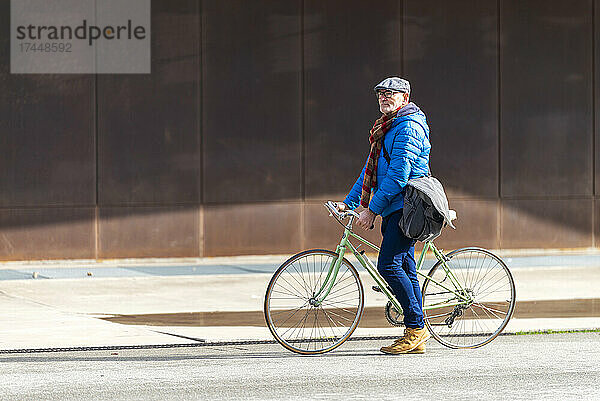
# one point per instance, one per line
(62, 269)
(62, 307)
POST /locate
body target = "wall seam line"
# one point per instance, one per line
(594, 217)
(593, 97)
(200, 89)
(302, 128)
(401, 13)
(97, 146)
(302, 108)
(499, 126)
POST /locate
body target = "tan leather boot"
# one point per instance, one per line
(419, 350)
(413, 342)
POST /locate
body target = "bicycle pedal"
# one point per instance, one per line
(376, 288)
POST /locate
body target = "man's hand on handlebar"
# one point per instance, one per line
(365, 218)
(341, 206)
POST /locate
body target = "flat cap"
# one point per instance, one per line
(395, 84)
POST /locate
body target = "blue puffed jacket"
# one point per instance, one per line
(407, 143)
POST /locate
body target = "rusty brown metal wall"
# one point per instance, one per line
(149, 153)
(257, 111)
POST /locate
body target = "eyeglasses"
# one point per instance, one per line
(386, 94)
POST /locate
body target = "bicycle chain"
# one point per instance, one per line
(186, 345)
(159, 346)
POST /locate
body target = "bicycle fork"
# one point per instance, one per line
(329, 280)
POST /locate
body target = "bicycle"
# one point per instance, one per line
(315, 299)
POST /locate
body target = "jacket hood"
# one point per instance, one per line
(408, 109)
(412, 112)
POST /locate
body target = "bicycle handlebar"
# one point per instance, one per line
(333, 210)
(331, 206)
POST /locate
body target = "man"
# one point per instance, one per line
(399, 151)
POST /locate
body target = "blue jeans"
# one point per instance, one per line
(397, 265)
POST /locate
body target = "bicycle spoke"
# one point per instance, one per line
(297, 325)
(303, 285)
(288, 283)
(339, 307)
(492, 311)
(340, 295)
(292, 315)
(332, 321)
(339, 316)
(288, 293)
(287, 310)
(341, 289)
(435, 316)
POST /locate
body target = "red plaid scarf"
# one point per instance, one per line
(381, 126)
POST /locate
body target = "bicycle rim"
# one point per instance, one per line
(481, 276)
(297, 324)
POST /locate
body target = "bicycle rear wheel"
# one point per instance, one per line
(291, 314)
(480, 276)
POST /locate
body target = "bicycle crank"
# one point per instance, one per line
(393, 316)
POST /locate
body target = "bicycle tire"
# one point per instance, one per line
(484, 277)
(294, 321)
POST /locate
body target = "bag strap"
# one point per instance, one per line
(386, 155)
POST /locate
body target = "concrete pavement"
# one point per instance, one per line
(533, 367)
(64, 305)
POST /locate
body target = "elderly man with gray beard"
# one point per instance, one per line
(399, 151)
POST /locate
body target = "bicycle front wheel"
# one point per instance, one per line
(469, 301)
(298, 322)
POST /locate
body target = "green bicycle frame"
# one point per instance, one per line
(461, 296)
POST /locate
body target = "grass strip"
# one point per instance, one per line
(535, 332)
